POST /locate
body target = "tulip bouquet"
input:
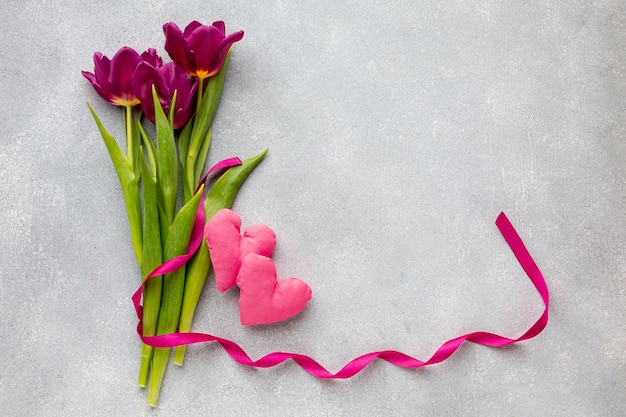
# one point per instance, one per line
(180, 99)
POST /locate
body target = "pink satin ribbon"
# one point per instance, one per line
(358, 364)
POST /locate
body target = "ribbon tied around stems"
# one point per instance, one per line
(356, 365)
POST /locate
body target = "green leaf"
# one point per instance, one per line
(170, 116)
(130, 185)
(122, 166)
(225, 189)
(164, 223)
(150, 149)
(137, 155)
(167, 173)
(202, 154)
(183, 141)
(152, 252)
(152, 257)
(183, 148)
(180, 230)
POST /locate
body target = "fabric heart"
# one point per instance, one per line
(265, 300)
(228, 247)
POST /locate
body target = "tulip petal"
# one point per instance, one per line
(144, 78)
(217, 60)
(177, 47)
(92, 79)
(102, 68)
(184, 101)
(190, 28)
(123, 67)
(185, 89)
(151, 57)
(204, 42)
(220, 26)
(166, 75)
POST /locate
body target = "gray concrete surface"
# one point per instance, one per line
(397, 132)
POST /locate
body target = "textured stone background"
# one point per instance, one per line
(398, 130)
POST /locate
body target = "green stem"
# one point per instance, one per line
(172, 291)
(133, 208)
(199, 94)
(159, 359)
(128, 117)
(144, 368)
(183, 149)
(197, 272)
(192, 150)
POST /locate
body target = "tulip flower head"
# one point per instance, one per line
(166, 79)
(112, 77)
(200, 50)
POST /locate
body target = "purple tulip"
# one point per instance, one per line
(166, 79)
(112, 78)
(200, 50)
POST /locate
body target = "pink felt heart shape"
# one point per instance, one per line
(265, 300)
(227, 247)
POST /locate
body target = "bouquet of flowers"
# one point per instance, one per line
(180, 99)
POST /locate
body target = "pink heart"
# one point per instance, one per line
(265, 300)
(228, 248)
